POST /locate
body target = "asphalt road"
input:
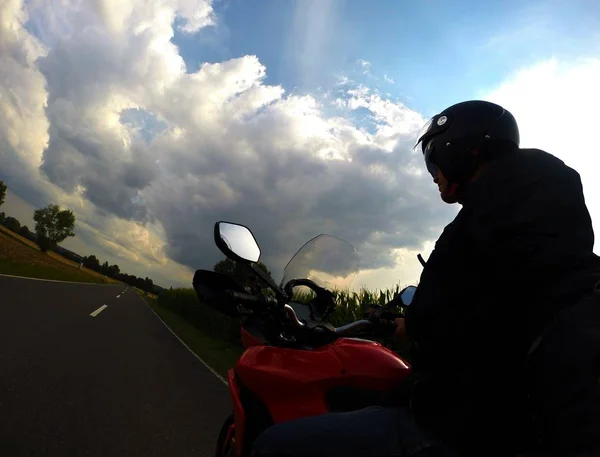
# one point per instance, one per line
(117, 384)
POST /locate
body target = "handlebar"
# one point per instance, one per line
(320, 291)
(293, 316)
(348, 329)
(353, 327)
(249, 299)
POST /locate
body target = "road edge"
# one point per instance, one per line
(211, 369)
(56, 280)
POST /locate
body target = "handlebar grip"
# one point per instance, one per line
(243, 297)
(249, 299)
(384, 325)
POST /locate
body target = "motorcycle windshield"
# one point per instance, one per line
(330, 262)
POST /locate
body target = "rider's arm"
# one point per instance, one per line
(400, 332)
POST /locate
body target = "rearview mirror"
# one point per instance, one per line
(407, 294)
(237, 242)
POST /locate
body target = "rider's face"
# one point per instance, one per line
(443, 187)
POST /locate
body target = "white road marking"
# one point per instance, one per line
(55, 280)
(98, 311)
(211, 369)
(118, 296)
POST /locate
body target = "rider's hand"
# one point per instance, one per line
(400, 332)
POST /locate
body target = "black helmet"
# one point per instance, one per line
(448, 139)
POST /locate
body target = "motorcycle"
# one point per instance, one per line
(295, 363)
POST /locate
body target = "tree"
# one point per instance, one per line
(91, 262)
(113, 271)
(12, 224)
(237, 270)
(2, 217)
(53, 225)
(226, 266)
(264, 268)
(148, 285)
(2, 192)
(24, 231)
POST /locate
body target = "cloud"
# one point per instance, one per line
(22, 99)
(555, 103)
(388, 79)
(365, 65)
(343, 80)
(365, 68)
(107, 121)
(98, 113)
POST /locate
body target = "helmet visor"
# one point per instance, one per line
(429, 156)
(436, 126)
(423, 132)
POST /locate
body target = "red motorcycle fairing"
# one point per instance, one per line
(238, 413)
(249, 340)
(294, 383)
(371, 365)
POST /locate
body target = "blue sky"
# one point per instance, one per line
(437, 52)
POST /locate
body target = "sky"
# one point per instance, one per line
(153, 119)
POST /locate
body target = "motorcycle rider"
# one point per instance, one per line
(506, 318)
(524, 234)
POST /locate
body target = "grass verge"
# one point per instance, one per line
(221, 355)
(19, 238)
(100, 278)
(9, 267)
(19, 259)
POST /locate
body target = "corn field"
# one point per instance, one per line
(350, 306)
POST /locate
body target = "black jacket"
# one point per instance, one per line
(519, 250)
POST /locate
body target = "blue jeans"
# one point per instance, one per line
(369, 432)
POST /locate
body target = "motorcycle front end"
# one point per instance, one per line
(295, 364)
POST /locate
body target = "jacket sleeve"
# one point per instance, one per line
(508, 252)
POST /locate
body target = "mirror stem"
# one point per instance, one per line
(282, 297)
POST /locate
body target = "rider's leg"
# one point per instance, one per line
(370, 432)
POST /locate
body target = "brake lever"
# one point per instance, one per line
(324, 326)
(384, 319)
(390, 315)
(383, 312)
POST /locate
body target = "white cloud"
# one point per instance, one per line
(229, 146)
(365, 64)
(365, 69)
(389, 79)
(393, 119)
(22, 98)
(343, 80)
(555, 103)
